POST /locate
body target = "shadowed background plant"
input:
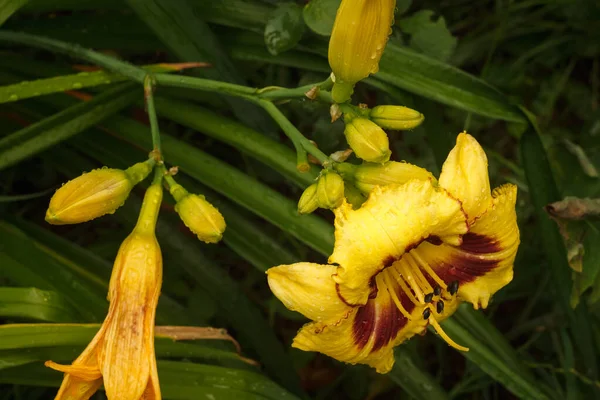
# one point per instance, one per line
(478, 67)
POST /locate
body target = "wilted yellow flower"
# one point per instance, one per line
(330, 190)
(308, 201)
(367, 140)
(367, 176)
(198, 215)
(94, 194)
(122, 353)
(405, 260)
(396, 117)
(359, 35)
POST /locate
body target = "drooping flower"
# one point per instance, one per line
(405, 260)
(121, 355)
(359, 36)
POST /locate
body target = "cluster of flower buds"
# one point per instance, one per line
(364, 132)
(328, 193)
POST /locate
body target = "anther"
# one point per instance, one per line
(437, 290)
(439, 307)
(453, 287)
(426, 313)
(428, 297)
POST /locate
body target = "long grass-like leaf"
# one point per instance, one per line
(34, 304)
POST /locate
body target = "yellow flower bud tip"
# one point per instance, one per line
(330, 190)
(201, 217)
(368, 140)
(396, 117)
(358, 38)
(308, 201)
(89, 196)
(368, 176)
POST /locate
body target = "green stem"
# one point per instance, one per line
(135, 73)
(149, 84)
(323, 94)
(204, 84)
(293, 133)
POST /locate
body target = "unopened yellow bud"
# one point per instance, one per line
(308, 201)
(396, 117)
(330, 190)
(94, 194)
(367, 176)
(198, 215)
(359, 35)
(368, 140)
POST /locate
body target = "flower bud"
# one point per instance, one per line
(367, 176)
(359, 35)
(308, 201)
(94, 194)
(198, 215)
(330, 190)
(368, 140)
(396, 117)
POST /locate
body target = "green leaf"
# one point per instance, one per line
(319, 15)
(272, 153)
(178, 381)
(441, 82)
(71, 121)
(416, 382)
(428, 36)
(402, 6)
(492, 364)
(34, 304)
(284, 28)
(58, 274)
(9, 7)
(25, 343)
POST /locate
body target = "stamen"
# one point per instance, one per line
(426, 313)
(437, 290)
(418, 274)
(394, 297)
(429, 297)
(413, 285)
(405, 288)
(439, 307)
(453, 287)
(444, 336)
(428, 269)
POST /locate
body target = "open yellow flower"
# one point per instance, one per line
(122, 353)
(404, 260)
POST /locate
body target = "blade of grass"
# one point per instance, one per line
(278, 156)
(191, 39)
(9, 7)
(416, 382)
(35, 304)
(543, 191)
(63, 125)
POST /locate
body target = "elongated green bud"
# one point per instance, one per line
(308, 201)
(396, 117)
(94, 194)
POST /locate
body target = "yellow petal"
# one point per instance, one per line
(309, 289)
(369, 333)
(393, 220)
(465, 176)
(483, 263)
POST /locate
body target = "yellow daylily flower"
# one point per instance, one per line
(121, 355)
(359, 35)
(405, 260)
